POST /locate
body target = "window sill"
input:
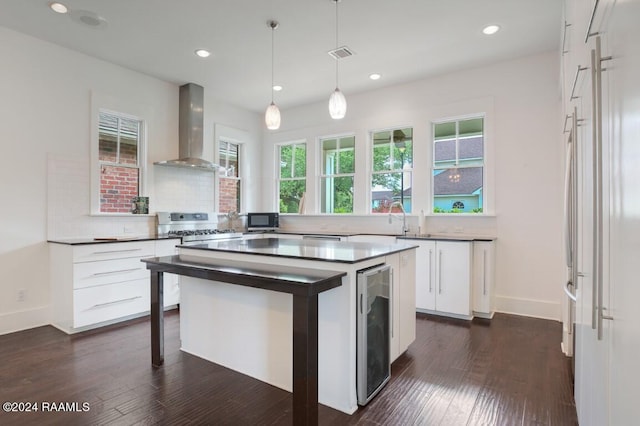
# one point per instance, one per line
(459, 215)
(121, 215)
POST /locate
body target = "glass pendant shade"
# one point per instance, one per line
(337, 105)
(272, 117)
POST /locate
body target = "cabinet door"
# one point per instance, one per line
(453, 270)
(171, 284)
(394, 324)
(425, 275)
(483, 278)
(407, 305)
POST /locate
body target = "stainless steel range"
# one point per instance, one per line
(193, 228)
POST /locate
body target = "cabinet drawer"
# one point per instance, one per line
(90, 274)
(106, 251)
(104, 303)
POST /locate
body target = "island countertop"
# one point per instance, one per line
(328, 251)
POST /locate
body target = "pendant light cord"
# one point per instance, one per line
(272, 54)
(336, 1)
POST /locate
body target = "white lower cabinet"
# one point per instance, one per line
(403, 301)
(98, 284)
(483, 278)
(443, 277)
(171, 282)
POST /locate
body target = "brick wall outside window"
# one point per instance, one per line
(229, 195)
(118, 185)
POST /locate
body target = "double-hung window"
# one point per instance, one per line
(292, 178)
(337, 174)
(458, 166)
(392, 170)
(119, 147)
(229, 177)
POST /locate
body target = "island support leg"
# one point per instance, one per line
(305, 360)
(157, 319)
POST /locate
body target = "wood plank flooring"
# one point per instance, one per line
(507, 371)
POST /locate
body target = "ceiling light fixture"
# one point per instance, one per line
(491, 29)
(272, 116)
(375, 76)
(58, 7)
(277, 88)
(337, 101)
(203, 53)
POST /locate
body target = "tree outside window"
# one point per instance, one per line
(229, 177)
(337, 175)
(391, 179)
(119, 143)
(458, 167)
(292, 181)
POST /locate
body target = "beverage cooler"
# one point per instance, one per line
(373, 331)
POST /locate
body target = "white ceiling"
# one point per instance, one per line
(403, 40)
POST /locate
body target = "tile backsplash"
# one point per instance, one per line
(69, 199)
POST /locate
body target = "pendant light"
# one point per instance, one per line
(337, 101)
(272, 116)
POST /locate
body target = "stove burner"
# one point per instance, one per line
(186, 232)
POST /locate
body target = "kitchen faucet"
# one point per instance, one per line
(404, 216)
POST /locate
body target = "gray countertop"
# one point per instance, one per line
(446, 237)
(327, 251)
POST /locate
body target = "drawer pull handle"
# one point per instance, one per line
(121, 271)
(116, 251)
(102, 305)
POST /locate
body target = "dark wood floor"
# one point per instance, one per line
(508, 371)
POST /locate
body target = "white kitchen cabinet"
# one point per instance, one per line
(171, 282)
(403, 301)
(483, 278)
(443, 277)
(102, 283)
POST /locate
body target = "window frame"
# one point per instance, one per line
(372, 171)
(278, 155)
(484, 165)
(96, 164)
(322, 175)
(238, 174)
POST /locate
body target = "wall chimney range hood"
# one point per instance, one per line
(190, 131)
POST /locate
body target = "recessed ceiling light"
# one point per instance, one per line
(277, 88)
(203, 53)
(375, 76)
(491, 29)
(58, 7)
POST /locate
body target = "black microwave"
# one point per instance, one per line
(263, 221)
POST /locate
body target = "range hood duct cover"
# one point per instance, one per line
(190, 130)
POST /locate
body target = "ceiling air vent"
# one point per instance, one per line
(341, 52)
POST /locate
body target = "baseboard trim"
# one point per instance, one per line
(24, 320)
(529, 307)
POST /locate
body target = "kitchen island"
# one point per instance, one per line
(249, 329)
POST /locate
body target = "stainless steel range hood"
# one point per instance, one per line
(190, 131)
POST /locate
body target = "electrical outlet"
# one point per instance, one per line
(22, 295)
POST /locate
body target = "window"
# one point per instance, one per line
(229, 177)
(392, 170)
(292, 182)
(458, 166)
(337, 174)
(119, 147)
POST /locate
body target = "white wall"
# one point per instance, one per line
(521, 100)
(45, 104)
